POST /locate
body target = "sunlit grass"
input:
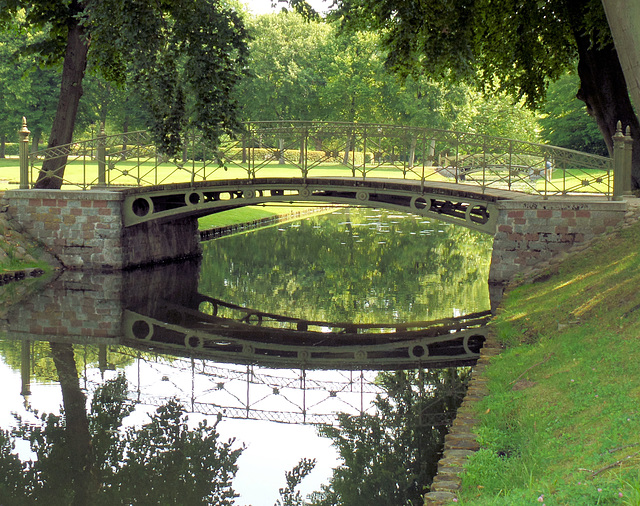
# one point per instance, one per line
(132, 172)
(563, 403)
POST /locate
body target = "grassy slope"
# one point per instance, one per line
(564, 397)
(18, 252)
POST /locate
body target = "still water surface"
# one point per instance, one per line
(354, 265)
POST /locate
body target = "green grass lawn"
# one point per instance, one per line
(561, 425)
(248, 214)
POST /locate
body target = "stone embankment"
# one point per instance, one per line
(461, 442)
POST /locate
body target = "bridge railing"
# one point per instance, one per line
(309, 149)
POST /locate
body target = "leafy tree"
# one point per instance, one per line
(27, 91)
(498, 116)
(515, 46)
(355, 79)
(565, 122)
(286, 67)
(418, 101)
(184, 58)
(119, 108)
(391, 457)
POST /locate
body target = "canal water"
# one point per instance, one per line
(86, 333)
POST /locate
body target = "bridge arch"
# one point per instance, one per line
(452, 203)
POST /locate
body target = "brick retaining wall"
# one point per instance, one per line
(76, 306)
(529, 232)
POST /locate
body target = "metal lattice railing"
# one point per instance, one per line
(309, 149)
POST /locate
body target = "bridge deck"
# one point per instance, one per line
(446, 188)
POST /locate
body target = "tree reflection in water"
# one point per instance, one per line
(391, 457)
(85, 458)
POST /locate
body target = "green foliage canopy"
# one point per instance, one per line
(565, 122)
(514, 46)
(183, 58)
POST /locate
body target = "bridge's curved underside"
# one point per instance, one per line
(468, 206)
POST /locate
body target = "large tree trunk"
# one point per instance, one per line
(624, 20)
(603, 90)
(75, 62)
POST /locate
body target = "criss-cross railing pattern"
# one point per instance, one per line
(303, 149)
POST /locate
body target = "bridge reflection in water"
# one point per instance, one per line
(160, 311)
(292, 342)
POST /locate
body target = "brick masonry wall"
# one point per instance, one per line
(530, 232)
(84, 230)
(81, 228)
(81, 306)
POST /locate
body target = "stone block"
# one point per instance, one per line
(445, 486)
(438, 498)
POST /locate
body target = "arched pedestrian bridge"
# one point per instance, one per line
(536, 200)
(464, 205)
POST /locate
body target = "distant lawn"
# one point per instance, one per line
(248, 214)
(128, 172)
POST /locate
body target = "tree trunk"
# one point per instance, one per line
(281, 151)
(624, 20)
(77, 436)
(36, 135)
(603, 90)
(412, 151)
(75, 62)
(125, 130)
(347, 151)
(3, 144)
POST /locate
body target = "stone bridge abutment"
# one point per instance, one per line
(86, 229)
(529, 232)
